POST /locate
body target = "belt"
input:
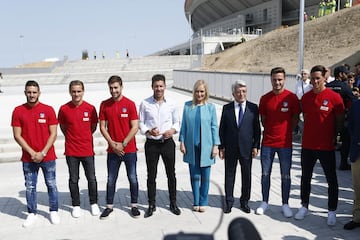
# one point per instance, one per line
(158, 140)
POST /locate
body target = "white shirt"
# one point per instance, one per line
(163, 116)
(302, 87)
(237, 109)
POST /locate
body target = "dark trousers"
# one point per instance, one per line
(328, 164)
(230, 173)
(153, 150)
(345, 146)
(89, 169)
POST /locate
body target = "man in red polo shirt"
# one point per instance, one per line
(119, 124)
(78, 121)
(279, 110)
(35, 129)
(323, 118)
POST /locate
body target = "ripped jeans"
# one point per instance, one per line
(31, 171)
(285, 158)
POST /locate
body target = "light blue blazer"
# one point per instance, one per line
(209, 133)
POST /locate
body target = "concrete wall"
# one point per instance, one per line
(220, 83)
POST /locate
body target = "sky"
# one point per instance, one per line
(34, 30)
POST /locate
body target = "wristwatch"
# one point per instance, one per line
(43, 154)
(124, 144)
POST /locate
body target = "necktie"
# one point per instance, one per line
(241, 114)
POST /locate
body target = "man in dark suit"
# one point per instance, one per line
(240, 141)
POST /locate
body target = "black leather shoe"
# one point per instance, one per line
(227, 209)
(351, 225)
(245, 208)
(150, 211)
(174, 209)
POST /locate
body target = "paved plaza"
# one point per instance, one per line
(120, 224)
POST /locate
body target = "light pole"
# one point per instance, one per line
(301, 36)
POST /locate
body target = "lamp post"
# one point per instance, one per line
(301, 36)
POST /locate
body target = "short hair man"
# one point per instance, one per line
(323, 111)
(35, 129)
(240, 141)
(119, 124)
(340, 86)
(279, 110)
(354, 129)
(78, 121)
(159, 121)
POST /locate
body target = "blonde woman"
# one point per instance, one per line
(199, 140)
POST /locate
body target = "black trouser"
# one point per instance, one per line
(89, 169)
(153, 150)
(230, 173)
(328, 164)
(345, 146)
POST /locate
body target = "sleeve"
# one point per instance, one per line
(175, 119)
(52, 120)
(15, 120)
(102, 112)
(222, 127)
(214, 126)
(94, 117)
(142, 125)
(183, 126)
(61, 116)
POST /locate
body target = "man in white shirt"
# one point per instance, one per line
(159, 121)
(303, 84)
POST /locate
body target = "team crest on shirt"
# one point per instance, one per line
(42, 118)
(124, 113)
(285, 106)
(324, 106)
(86, 117)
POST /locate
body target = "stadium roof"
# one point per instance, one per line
(205, 12)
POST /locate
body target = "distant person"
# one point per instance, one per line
(127, 53)
(351, 79)
(199, 140)
(159, 121)
(279, 111)
(328, 77)
(1, 76)
(323, 111)
(340, 86)
(119, 124)
(103, 55)
(78, 121)
(94, 55)
(356, 92)
(35, 129)
(322, 7)
(357, 75)
(354, 130)
(347, 4)
(240, 142)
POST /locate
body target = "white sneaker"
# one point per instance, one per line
(54, 217)
(76, 212)
(31, 218)
(331, 221)
(262, 208)
(95, 211)
(302, 212)
(287, 211)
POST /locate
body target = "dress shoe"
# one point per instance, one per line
(227, 209)
(174, 209)
(245, 208)
(150, 211)
(196, 208)
(202, 209)
(351, 225)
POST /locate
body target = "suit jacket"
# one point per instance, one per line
(239, 142)
(354, 130)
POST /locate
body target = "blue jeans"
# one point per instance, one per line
(31, 171)
(200, 180)
(88, 164)
(113, 165)
(285, 160)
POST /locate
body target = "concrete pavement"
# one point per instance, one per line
(120, 225)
